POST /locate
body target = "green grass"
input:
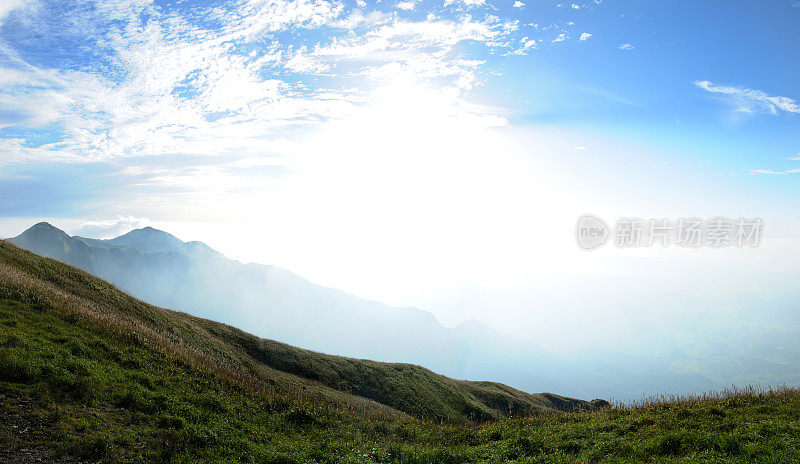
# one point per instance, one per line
(89, 373)
(263, 365)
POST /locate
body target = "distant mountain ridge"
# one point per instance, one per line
(150, 240)
(272, 302)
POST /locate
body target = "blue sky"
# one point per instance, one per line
(352, 141)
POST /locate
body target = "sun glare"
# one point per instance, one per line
(412, 177)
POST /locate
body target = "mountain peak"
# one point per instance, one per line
(43, 228)
(150, 232)
(151, 240)
(49, 240)
(149, 229)
(43, 225)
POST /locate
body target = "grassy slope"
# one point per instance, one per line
(268, 364)
(83, 373)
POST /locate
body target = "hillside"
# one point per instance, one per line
(162, 270)
(90, 374)
(29, 279)
(274, 303)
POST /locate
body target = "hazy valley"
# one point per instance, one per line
(275, 303)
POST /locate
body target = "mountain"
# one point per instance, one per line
(55, 243)
(150, 240)
(90, 374)
(161, 269)
(266, 300)
(87, 304)
(275, 303)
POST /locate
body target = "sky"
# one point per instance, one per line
(423, 153)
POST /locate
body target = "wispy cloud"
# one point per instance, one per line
(772, 172)
(626, 46)
(525, 44)
(408, 6)
(467, 3)
(169, 85)
(752, 101)
(585, 36)
(214, 80)
(132, 78)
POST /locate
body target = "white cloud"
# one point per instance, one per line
(772, 172)
(518, 4)
(561, 37)
(777, 172)
(525, 45)
(108, 228)
(412, 51)
(182, 90)
(750, 101)
(6, 6)
(406, 5)
(575, 6)
(626, 46)
(585, 36)
(186, 89)
(169, 85)
(358, 18)
(467, 3)
(301, 62)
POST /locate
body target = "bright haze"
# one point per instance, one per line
(436, 154)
